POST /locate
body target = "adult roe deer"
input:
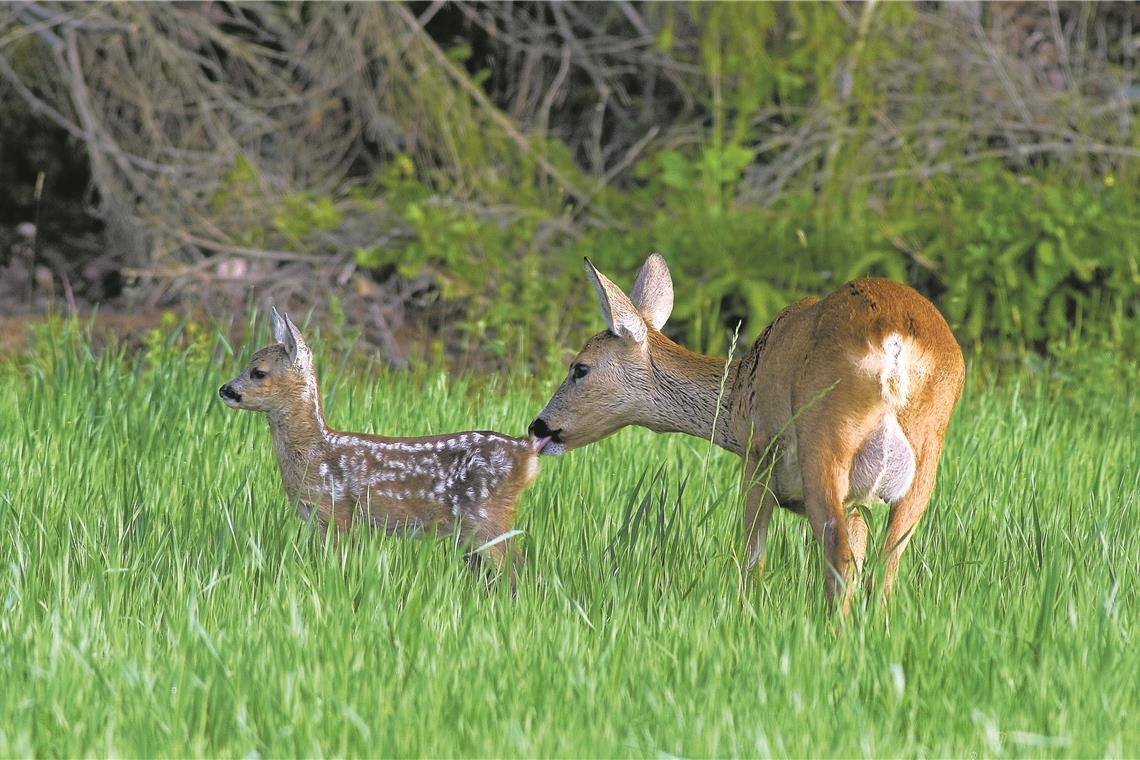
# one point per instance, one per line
(842, 400)
(469, 482)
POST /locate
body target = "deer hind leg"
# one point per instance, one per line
(907, 510)
(488, 564)
(924, 424)
(827, 450)
(857, 537)
(825, 486)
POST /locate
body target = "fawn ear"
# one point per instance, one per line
(652, 292)
(618, 311)
(280, 331)
(287, 334)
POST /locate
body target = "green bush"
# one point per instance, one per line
(1028, 259)
(1024, 262)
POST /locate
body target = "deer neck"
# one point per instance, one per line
(299, 436)
(692, 394)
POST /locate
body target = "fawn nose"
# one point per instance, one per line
(539, 429)
(227, 392)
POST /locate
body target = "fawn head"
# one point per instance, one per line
(610, 380)
(278, 376)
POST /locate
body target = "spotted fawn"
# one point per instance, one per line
(467, 483)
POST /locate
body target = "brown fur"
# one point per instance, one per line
(802, 403)
(465, 482)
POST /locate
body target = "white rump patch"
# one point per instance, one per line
(890, 363)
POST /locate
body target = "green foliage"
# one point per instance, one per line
(1017, 258)
(303, 213)
(485, 263)
(160, 598)
(732, 262)
(1027, 259)
(1016, 261)
(241, 180)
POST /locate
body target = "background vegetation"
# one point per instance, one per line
(158, 596)
(424, 178)
(435, 172)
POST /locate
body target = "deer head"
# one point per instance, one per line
(278, 377)
(611, 381)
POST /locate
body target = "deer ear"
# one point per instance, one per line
(617, 310)
(280, 331)
(295, 345)
(652, 292)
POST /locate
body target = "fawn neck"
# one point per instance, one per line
(687, 394)
(298, 429)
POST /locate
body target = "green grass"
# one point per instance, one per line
(158, 597)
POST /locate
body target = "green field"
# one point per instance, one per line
(158, 596)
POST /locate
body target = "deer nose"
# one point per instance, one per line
(227, 392)
(539, 429)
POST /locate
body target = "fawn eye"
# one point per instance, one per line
(258, 374)
(578, 371)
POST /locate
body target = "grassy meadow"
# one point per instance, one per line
(159, 597)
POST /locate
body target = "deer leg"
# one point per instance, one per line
(493, 562)
(857, 538)
(757, 514)
(832, 424)
(333, 520)
(335, 516)
(825, 487)
(497, 558)
(758, 507)
(908, 509)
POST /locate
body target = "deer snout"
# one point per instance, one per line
(539, 429)
(229, 395)
(549, 441)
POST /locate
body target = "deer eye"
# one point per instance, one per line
(258, 374)
(578, 371)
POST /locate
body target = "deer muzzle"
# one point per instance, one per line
(549, 441)
(231, 397)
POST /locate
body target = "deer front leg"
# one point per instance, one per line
(758, 507)
(334, 520)
(496, 560)
(488, 532)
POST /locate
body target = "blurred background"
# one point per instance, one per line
(429, 175)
